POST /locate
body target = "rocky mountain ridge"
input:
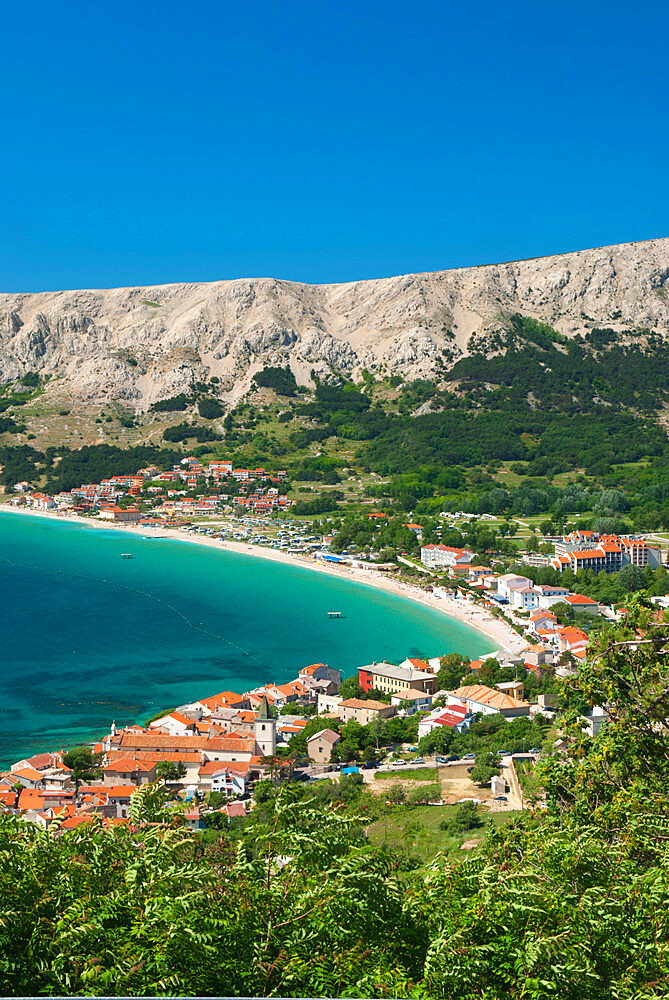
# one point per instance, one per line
(133, 346)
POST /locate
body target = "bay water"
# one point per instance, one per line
(87, 637)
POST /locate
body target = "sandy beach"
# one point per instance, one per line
(470, 614)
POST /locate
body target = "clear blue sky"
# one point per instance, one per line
(152, 142)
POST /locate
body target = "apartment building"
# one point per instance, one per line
(389, 678)
(587, 550)
(444, 557)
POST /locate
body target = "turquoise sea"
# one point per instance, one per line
(88, 637)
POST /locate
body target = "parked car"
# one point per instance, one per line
(500, 798)
(535, 750)
(399, 763)
(503, 753)
(469, 756)
(413, 749)
(418, 760)
(441, 760)
(469, 770)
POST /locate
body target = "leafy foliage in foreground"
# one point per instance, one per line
(572, 901)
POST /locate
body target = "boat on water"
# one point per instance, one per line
(335, 614)
(126, 555)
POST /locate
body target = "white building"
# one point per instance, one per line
(524, 597)
(444, 556)
(510, 582)
(411, 701)
(229, 782)
(329, 703)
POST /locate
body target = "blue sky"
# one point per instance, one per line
(147, 143)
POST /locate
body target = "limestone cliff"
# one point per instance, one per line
(415, 325)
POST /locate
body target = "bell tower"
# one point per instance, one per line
(265, 730)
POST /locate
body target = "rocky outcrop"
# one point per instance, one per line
(415, 325)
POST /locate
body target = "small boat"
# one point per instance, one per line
(126, 555)
(335, 614)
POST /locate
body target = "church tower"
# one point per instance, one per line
(265, 730)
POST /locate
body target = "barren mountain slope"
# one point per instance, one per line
(414, 325)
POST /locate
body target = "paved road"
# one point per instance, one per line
(515, 795)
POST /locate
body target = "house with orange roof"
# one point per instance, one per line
(191, 759)
(477, 572)
(320, 672)
(7, 798)
(42, 761)
(32, 800)
(119, 797)
(28, 776)
(416, 663)
(72, 822)
(542, 620)
(217, 776)
(547, 635)
(281, 694)
(582, 604)
(226, 699)
(129, 770)
(571, 637)
(175, 723)
(125, 515)
(479, 698)
(537, 656)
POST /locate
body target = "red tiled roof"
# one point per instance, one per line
(375, 706)
(483, 695)
(121, 791)
(127, 765)
(155, 741)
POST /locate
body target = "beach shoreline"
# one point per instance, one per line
(475, 617)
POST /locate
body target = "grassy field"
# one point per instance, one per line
(417, 830)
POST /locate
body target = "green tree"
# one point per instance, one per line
(466, 817)
(350, 688)
(168, 770)
(84, 764)
(630, 578)
(452, 668)
(486, 766)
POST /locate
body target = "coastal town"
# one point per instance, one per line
(228, 742)
(209, 755)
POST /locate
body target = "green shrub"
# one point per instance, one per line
(210, 409)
